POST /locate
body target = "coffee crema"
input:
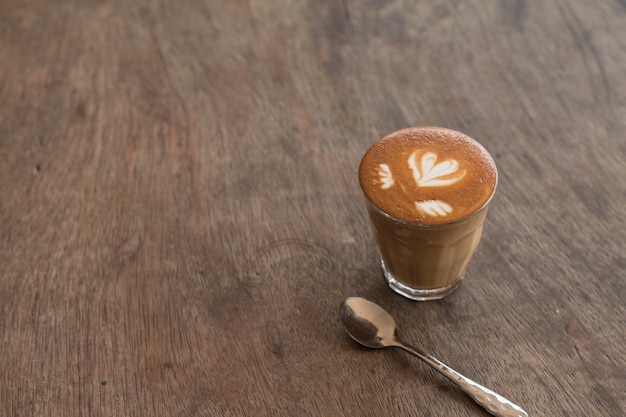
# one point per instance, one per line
(428, 175)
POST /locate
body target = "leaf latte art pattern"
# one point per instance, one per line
(434, 207)
(434, 174)
(427, 172)
(385, 176)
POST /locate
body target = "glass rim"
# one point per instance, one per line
(482, 207)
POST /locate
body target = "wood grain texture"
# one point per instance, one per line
(180, 216)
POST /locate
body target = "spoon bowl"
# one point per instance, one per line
(370, 325)
(367, 323)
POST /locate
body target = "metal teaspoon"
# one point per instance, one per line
(370, 325)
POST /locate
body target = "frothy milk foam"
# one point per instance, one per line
(428, 188)
(428, 175)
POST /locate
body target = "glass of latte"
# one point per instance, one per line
(427, 190)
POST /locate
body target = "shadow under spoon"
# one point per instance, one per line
(370, 325)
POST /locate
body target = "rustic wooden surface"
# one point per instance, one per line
(180, 216)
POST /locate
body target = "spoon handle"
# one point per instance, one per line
(494, 403)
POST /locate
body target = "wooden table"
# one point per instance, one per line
(180, 216)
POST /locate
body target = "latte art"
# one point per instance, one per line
(386, 178)
(434, 174)
(433, 207)
(428, 175)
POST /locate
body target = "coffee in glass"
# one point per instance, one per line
(427, 191)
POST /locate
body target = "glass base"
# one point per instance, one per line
(416, 293)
